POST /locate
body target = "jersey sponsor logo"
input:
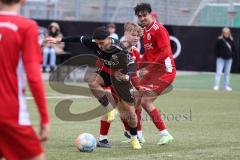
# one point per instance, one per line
(148, 46)
(110, 63)
(9, 25)
(114, 58)
(168, 65)
(148, 36)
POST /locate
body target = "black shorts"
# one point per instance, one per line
(121, 88)
(106, 78)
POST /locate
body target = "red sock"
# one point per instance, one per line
(126, 126)
(104, 127)
(157, 119)
(138, 111)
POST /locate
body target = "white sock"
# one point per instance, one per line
(102, 137)
(139, 133)
(164, 132)
(133, 137)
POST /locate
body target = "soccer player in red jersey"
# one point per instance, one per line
(158, 66)
(20, 53)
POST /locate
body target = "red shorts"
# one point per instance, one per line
(18, 142)
(157, 81)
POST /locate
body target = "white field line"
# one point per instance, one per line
(61, 97)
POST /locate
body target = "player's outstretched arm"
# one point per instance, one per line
(85, 40)
(63, 39)
(36, 87)
(31, 56)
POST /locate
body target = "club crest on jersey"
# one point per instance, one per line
(148, 36)
(114, 57)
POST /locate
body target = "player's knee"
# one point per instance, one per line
(93, 84)
(145, 103)
(133, 121)
(148, 106)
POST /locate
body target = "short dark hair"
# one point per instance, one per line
(142, 7)
(9, 2)
(101, 33)
(111, 25)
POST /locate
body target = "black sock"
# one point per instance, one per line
(133, 131)
(104, 101)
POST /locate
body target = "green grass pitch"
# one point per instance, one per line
(204, 123)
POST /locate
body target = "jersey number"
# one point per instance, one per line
(168, 65)
(0, 36)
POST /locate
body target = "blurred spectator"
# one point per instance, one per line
(51, 50)
(112, 29)
(224, 51)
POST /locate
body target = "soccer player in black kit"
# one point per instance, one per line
(114, 57)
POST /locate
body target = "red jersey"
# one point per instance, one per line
(135, 54)
(19, 52)
(157, 46)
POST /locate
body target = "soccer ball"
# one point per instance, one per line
(86, 142)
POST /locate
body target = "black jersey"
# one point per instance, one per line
(117, 57)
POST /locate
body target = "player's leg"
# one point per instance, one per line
(126, 108)
(159, 85)
(105, 123)
(138, 111)
(157, 120)
(125, 124)
(127, 113)
(104, 129)
(95, 82)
